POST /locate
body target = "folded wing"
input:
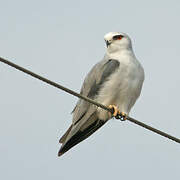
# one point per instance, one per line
(85, 119)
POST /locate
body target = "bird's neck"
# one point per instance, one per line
(119, 53)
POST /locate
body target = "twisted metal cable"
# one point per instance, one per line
(87, 99)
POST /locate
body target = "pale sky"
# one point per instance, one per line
(62, 40)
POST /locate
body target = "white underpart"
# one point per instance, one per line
(124, 86)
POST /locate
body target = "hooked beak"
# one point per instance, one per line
(107, 43)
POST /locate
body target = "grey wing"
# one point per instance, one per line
(92, 84)
(85, 119)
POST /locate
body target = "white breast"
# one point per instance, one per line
(124, 86)
(131, 77)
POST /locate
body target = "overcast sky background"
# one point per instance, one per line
(62, 40)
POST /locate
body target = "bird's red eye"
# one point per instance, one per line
(118, 37)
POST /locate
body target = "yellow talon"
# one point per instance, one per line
(123, 115)
(115, 113)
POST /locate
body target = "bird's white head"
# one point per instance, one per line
(116, 41)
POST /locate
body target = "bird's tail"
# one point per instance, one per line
(79, 136)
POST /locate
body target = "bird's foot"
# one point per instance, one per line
(121, 115)
(116, 113)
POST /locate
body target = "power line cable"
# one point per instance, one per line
(87, 99)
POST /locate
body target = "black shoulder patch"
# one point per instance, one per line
(109, 68)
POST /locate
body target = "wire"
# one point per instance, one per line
(87, 99)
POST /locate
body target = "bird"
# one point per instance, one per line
(116, 82)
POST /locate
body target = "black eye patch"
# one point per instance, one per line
(118, 37)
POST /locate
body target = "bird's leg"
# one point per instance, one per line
(117, 114)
